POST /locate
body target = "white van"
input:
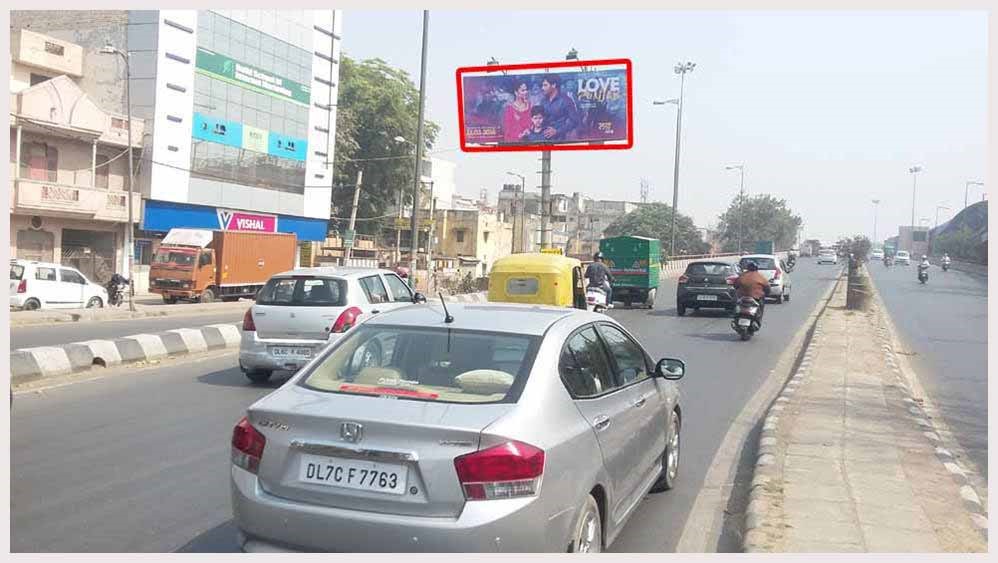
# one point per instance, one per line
(42, 285)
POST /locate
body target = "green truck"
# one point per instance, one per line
(635, 264)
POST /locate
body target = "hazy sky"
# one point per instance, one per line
(826, 109)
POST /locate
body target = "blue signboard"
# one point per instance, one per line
(162, 216)
(283, 146)
(235, 134)
(215, 130)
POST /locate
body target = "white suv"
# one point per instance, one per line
(902, 257)
(300, 312)
(43, 285)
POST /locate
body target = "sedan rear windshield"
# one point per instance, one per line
(762, 263)
(422, 364)
(16, 271)
(710, 269)
(303, 291)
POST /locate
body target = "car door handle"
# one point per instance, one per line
(640, 402)
(601, 422)
(375, 312)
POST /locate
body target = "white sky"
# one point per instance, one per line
(826, 109)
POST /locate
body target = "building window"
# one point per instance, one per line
(143, 252)
(485, 235)
(54, 48)
(118, 123)
(459, 235)
(38, 78)
(103, 171)
(39, 162)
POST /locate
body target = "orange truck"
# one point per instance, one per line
(205, 265)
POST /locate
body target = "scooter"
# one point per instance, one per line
(945, 266)
(116, 290)
(923, 273)
(746, 322)
(596, 299)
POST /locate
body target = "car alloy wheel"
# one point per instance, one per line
(670, 459)
(588, 531)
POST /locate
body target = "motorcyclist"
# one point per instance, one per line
(923, 265)
(114, 288)
(598, 275)
(946, 260)
(750, 283)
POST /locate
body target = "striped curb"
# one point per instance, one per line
(30, 364)
(925, 416)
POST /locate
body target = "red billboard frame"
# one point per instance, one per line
(629, 143)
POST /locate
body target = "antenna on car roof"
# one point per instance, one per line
(447, 316)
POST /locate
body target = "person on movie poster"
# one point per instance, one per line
(517, 114)
(535, 133)
(561, 116)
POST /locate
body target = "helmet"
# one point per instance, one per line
(598, 256)
(752, 267)
(924, 257)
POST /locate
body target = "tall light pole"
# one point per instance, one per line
(741, 202)
(967, 189)
(523, 193)
(129, 246)
(876, 204)
(419, 152)
(681, 69)
(914, 170)
(938, 207)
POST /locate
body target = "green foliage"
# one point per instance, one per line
(654, 220)
(765, 218)
(962, 245)
(376, 103)
(860, 247)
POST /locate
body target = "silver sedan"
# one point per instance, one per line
(501, 427)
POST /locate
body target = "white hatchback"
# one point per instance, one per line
(773, 268)
(43, 285)
(299, 312)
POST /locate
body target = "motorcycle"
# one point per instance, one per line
(596, 299)
(116, 290)
(945, 266)
(887, 261)
(923, 273)
(746, 321)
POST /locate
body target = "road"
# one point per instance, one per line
(140, 462)
(63, 333)
(944, 324)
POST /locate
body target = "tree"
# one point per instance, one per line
(859, 246)
(765, 218)
(962, 244)
(376, 103)
(654, 220)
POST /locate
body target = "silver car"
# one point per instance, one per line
(773, 268)
(498, 428)
(300, 312)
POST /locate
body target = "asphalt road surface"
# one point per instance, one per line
(944, 325)
(139, 462)
(56, 334)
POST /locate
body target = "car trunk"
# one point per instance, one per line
(289, 322)
(417, 439)
(708, 279)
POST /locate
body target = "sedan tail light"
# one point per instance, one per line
(683, 278)
(248, 324)
(776, 276)
(247, 446)
(22, 287)
(731, 280)
(508, 470)
(347, 319)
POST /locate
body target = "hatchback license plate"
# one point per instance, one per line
(353, 474)
(706, 298)
(295, 352)
(744, 322)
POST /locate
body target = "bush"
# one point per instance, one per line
(962, 245)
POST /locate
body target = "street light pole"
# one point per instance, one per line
(129, 245)
(938, 207)
(419, 153)
(681, 69)
(741, 202)
(966, 190)
(523, 190)
(876, 204)
(914, 170)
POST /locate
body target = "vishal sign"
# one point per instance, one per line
(229, 220)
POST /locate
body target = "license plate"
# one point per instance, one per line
(744, 322)
(706, 298)
(353, 474)
(296, 353)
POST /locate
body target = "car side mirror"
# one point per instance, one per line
(418, 298)
(670, 368)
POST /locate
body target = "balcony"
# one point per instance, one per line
(34, 197)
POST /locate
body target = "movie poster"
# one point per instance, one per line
(546, 108)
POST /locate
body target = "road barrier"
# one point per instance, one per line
(676, 265)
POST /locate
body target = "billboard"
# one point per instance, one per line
(566, 105)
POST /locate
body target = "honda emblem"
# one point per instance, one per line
(351, 432)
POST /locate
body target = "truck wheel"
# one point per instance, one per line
(681, 310)
(169, 300)
(207, 296)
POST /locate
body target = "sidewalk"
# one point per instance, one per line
(849, 462)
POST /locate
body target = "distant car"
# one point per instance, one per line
(773, 268)
(298, 313)
(513, 428)
(43, 285)
(706, 284)
(877, 255)
(828, 257)
(902, 258)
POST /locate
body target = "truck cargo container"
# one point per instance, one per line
(205, 265)
(635, 264)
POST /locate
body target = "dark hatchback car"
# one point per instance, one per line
(706, 284)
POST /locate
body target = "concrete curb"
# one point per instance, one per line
(760, 515)
(30, 364)
(45, 317)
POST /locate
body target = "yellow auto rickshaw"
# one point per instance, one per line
(539, 278)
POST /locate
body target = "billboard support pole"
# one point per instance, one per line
(353, 213)
(419, 154)
(545, 199)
